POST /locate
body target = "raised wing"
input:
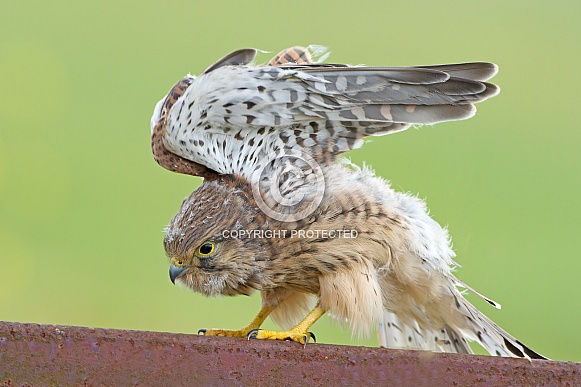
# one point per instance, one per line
(236, 117)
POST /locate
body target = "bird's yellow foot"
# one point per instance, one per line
(298, 335)
(223, 332)
(254, 324)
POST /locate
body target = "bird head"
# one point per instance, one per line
(203, 254)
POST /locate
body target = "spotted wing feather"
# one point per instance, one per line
(236, 115)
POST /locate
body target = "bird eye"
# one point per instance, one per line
(206, 249)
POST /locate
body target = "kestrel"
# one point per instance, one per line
(281, 213)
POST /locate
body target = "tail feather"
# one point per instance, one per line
(475, 326)
(394, 333)
(490, 301)
(492, 337)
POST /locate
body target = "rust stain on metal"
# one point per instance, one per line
(60, 355)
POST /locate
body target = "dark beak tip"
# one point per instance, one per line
(175, 272)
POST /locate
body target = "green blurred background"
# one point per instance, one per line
(83, 204)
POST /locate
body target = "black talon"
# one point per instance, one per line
(203, 330)
(313, 336)
(252, 334)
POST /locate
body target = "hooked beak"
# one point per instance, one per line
(175, 272)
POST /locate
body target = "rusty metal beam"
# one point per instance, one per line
(33, 354)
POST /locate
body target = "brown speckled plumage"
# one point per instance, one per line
(165, 158)
(280, 214)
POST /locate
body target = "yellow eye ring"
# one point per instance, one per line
(205, 249)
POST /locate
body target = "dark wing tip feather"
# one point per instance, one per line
(407, 75)
(491, 91)
(238, 57)
(476, 71)
(431, 114)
